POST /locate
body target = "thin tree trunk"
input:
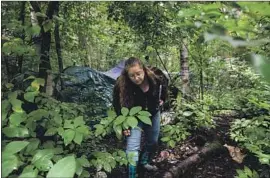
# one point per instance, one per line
(58, 46)
(184, 68)
(45, 65)
(201, 79)
(21, 18)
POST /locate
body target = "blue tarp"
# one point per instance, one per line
(116, 71)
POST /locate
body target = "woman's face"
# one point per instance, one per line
(136, 74)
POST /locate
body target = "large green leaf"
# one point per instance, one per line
(83, 161)
(47, 25)
(124, 111)
(16, 131)
(78, 121)
(38, 114)
(32, 146)
(42, 159)
(68, 136)
(135, 110)
(15, 146)
(30, 96)
(16, 105)
(9, 163)
(262, 66)
(145, 113)
(145, 119)
(45, 154)
(65, 167)
(44, 164)
(119, 120)
(111, 114)
(132, 121)
(118, 131)
(5, 108)
(29, 171)
(51, 131)
(78, 137)
(16, 118)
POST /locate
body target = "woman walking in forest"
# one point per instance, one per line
(139, 86)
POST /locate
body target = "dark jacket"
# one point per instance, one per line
(148, 101)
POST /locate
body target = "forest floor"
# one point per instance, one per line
(220, 165)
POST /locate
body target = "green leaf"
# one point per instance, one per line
(119, 120)
(171, 143)
(33, 145)
(78, 138)
(43, 155)
(9, 163)
(165, 139)
(9, 85)
(51, 131)
(12, 96)
(187, 113)
(79, 168)
(145, 119)
(30, 77)
(262, 66)
(17, 118)
(83, 161)
(5, 108)
(132, 121)
(78, 121)
(83, 129)
(16, 105)
(15, 146)
(15, 131)
(29, 171)
(125, 125)
(47, 25)
(124, 111)
(118, 131)
(68, 124)
(107, 167)
(38, 114)
(44, 164)
(84, 174)
(39, 14)
(111, 113)
(35, 30)
(30, 96)
(68, 136)
(145, 113)
(65, 167)
(135, 110)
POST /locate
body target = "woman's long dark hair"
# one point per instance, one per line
(126, 86)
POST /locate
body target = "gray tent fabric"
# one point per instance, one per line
(116, 71)
(87, 86)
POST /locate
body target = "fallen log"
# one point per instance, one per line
(208, 150)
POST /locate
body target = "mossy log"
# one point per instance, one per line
(208, 150)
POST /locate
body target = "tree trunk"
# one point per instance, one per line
(184, 68)
(45, 65)
(58, 46)
(201, 79)
(187, 165)
(21, 18)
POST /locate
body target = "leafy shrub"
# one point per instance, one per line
(127, 119)
(41, 135)
(254, 134)
(246, 173)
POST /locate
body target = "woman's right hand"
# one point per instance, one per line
(126, 132)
